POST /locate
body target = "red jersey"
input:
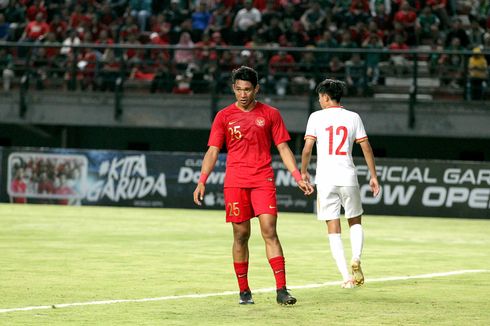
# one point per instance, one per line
(248, 137)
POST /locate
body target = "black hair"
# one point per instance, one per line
(332, 87)
(245, 73)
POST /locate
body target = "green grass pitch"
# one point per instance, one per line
(70, 265)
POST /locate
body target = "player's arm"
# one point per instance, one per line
(290, 163)
(208, 164)
(369, 157)
(306, 157)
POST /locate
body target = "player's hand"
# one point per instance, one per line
(373, 183)
(306, 177)
(306, 187)
(199, 193)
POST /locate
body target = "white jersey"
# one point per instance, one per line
(335, 130)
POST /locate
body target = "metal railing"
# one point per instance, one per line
(148, 68)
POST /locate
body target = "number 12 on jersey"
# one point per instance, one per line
(340, 132)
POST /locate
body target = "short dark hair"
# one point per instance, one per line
(332, 87)
(245, 73)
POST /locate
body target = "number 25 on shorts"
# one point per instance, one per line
(233, 209)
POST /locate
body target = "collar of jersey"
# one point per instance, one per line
(238, 108)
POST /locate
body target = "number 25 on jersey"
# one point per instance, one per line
(340, 133)
(235, 133)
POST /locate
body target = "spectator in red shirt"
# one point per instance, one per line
(281, 67)
(205, 51)
(87, 65)
(407, 17)
(53, 54)
(132, 55)
(106, 16)
(58, 27)
(161, 27)
(36, 8)
(77, 17)
(399, 61)
(157, 39)
(36, 29)
(218, 39)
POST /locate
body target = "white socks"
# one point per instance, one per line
(356, 240)
(337, 249)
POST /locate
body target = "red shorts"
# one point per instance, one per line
(242, 204)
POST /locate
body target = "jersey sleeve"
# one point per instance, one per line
(279, 132)
(310, 128)
(217, 134)
(359, 130)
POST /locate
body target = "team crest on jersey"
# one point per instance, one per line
(260, 122)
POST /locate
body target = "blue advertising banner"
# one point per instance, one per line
(115, 178)
(161, 179)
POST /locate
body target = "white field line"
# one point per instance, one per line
(264, 290)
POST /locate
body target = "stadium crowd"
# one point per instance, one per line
(197, 27)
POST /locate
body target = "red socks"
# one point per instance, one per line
(241, 270)
(277, 264)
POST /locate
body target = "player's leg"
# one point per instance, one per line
(337, 250)
(263, 202)
(265, 207)
(275, 256)
(241, 235)
(356, 237)
(273, 246)
(353, 212)
(328, 210)
(357, 242)
(238, 212)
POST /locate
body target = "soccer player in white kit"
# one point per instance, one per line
(335, 130)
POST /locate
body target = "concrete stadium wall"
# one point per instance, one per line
(381, 117)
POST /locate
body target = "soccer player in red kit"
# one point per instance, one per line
(249, 128)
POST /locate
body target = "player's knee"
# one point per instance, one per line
(269, 234)
(241, 238)
(354, 220)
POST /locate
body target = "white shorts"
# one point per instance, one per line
(330, 198)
